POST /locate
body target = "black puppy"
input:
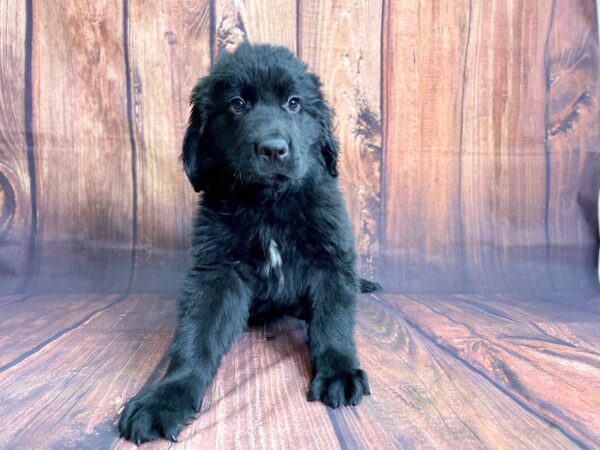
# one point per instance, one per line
(271, 237)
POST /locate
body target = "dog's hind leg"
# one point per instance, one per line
(213, 312)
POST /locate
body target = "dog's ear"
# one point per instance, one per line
(197, 151)
(328, 142)
(330, 147)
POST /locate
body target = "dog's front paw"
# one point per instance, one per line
(343, 388)
(161, 411)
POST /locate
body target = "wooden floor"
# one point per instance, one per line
(446, 372)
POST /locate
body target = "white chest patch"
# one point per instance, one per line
(273, 261)
(274, 255)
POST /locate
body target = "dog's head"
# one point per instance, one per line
(258, 117)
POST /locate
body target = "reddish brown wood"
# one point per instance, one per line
(258, 398)
(471, 137)
(573, 143)
(30, 323)
(270, 21)
(482, 177)
(82, 146)
(340, 42)
(16, 219)
(503, 164)
(502, 84)
(424, 57)
(545, 356)
(168, 50)
(446, 376)
(69, 390)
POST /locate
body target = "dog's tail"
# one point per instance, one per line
(367, 286)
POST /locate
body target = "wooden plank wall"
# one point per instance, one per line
(16, 218)
(81, 144)
(470, 133)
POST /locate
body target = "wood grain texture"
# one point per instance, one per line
(424, 53)
(470, 136)
(428, 373)
(471, 142)
(572, 143)
(10, 299)
(31, 323)
(490, 145)
(257, 21)
(258, 398)
(548, 361)
(339, 41)
(16, 221)
(424, 397)
(503, 165)
(82, 146)
(168, 50)
(71, 389)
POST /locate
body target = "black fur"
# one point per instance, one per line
(271, 237)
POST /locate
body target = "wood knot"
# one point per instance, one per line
(171, 37)
(566, 122)
(7, 203)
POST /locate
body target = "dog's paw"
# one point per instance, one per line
(161, 411)
(342, 389)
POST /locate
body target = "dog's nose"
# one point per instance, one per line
(275, 149)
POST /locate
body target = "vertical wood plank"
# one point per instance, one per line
(259, 21)
(340, 40)
(423, 83)
(272, 22)
(573, 143)
(503, 173)
(82, 146)
(168, 50)
(15, 193)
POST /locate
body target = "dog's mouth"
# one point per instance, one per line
(261, 172)
(276, 178)
(275, 174)
(271, 178)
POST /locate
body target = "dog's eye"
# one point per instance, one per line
(293, 104)
(237, 104)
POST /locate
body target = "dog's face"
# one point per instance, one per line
(258, 117)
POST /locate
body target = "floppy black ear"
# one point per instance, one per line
(329, 143)
(330, 146)
(197, 142)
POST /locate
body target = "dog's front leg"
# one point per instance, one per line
(337, 379)
(213, 312)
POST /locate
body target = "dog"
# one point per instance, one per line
(271, 237)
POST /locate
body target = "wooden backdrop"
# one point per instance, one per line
(470, 131)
